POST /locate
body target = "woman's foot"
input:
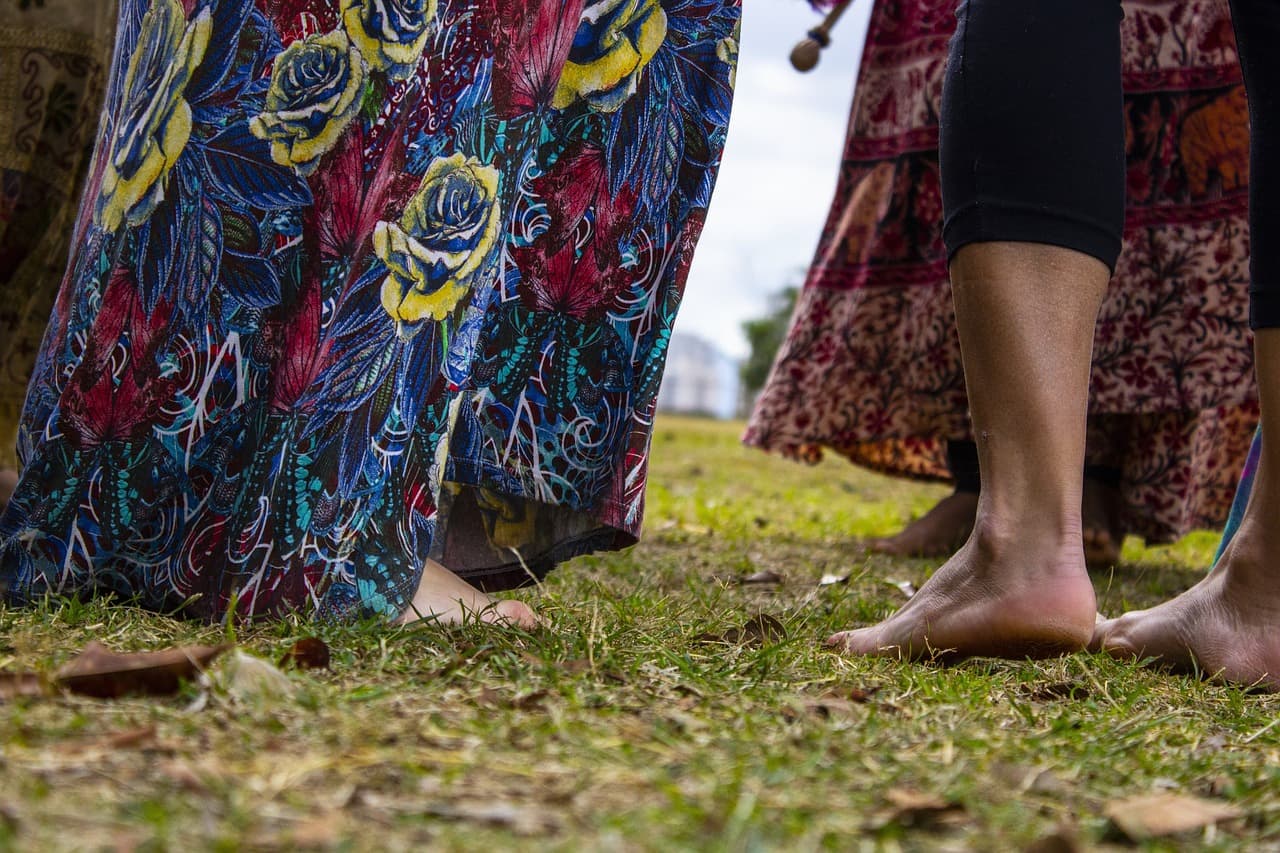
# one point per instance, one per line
(999, 596)
(1102, 513)
(1227, 627)
(938, 533)
(8, 483)
(444, 597)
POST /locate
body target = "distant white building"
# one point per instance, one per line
(699, 379)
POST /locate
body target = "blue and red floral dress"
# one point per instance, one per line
(356, 283)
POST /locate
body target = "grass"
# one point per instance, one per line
(622, 727)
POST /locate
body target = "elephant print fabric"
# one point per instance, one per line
(358, 283)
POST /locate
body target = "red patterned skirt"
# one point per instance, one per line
(871, 366)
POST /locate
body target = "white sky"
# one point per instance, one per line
(779, 169)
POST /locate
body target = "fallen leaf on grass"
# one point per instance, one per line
(20, 685)
(836, 704)
(756, 631)
(99, 672)
(254, 680)
(863, 694)
(1159, 815)
(307, 653)
(833, 580)
(1023, 778)
(911, 808)
(907, 588)
(491, 698)
(129, 738)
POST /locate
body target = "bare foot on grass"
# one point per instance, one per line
(1101, 512)
(446, 598)
(997, 597)
(938, 533)
(1227, 627)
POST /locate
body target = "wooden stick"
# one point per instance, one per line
(805, 55)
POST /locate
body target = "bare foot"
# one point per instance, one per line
(1227, 627)
(444, 597)
(938, 533)
(997, 597)
(1102, 511)
(8, 482)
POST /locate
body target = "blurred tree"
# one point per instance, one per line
(765, 335)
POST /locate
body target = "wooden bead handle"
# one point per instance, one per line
(805, 55)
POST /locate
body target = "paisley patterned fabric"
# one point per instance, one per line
(54, 56)
(871, 367)
(362, 282)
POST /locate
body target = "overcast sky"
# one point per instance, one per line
(779, 169)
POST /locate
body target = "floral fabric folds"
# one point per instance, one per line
(871, 367)
(362, 282)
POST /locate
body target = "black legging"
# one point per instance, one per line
(1032, 131)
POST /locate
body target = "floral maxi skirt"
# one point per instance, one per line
(359, 283)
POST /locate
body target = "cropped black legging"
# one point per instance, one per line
(1032, 131)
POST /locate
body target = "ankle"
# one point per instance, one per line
(1045, 550)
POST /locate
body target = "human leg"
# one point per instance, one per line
(1228, 625)
(1019, 586)
(945, 527)
(1032, 248)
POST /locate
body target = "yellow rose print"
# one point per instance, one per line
(615, 41)
(156, 121)
(390, 34)
(315, 91)
(447, 233)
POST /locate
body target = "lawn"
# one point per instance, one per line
(631, 723)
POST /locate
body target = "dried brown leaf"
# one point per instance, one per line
(756, 631)
(907, 588)
(21, 685)
(863, 694)
(130, 738)
(252, 680)
(307, 653)
(1158, 815)
(912, 808)
(492, 698)
(99, 672)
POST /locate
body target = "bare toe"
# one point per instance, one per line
(515, 613)
(989, 600)
(445, 598)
